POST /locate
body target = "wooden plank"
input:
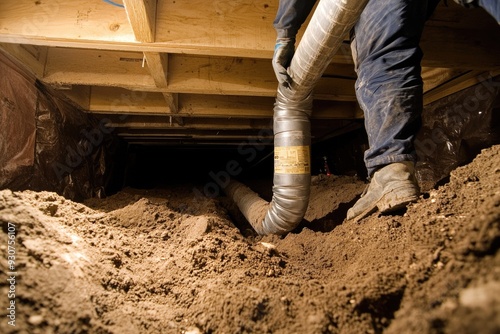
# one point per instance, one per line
(169, 136)
(187, 74)
(433, 77)
(118, 100)
(147, 122)
(241, 76)
(201, 105)
(97, 67)
(459, 83)
(115, 100)
(194, 142)
(172, 101)
(242, 29)
(106, 100)
(67, 20)
(236, 25)
(182, 131)
(142, 17)
(221, 75)
(198, 105)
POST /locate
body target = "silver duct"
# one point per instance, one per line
(330, 23)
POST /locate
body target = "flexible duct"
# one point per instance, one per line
(330, 23)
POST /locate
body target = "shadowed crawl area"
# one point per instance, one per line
(167, 261)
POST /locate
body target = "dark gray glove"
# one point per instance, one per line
(283, 54)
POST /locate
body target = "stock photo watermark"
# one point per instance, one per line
(458, 114)
(11, 273)
(91, 139)
(248, 151)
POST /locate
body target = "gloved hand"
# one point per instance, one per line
(283, 54)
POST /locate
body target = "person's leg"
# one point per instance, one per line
(389, 84)
(389, 90)
(492, 7)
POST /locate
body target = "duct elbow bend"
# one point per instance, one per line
(329, 24)
(292, 163)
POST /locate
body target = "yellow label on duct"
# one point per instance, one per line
(292, 160)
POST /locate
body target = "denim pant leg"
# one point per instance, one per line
(492, 7)
(389, 85)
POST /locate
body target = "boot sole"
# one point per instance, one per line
(390, 201)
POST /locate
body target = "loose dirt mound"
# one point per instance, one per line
(169, 262)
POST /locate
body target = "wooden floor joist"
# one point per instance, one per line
(196, 65)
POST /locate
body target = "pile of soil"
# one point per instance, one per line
(167, 261)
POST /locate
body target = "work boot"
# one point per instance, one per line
(391, 187)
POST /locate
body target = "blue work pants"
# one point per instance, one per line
(492, 7)
(387, 57)
(386, 52)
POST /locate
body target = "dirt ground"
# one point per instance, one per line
(166, 261)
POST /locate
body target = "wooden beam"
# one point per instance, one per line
(118, 100)
(241, 76)
(70, 21)
(31, 57)
(172, 101)
(458, 83)
(114, 100)
(201, 105)
(142, 17)
(162, 122)
(240, 26)
(158, 67)
(198, 105)
(182, 131)
(194, 142)
(221, 75)
(219, 28)
(167, 136)
(97, 67)
(105, 100)
(433, 77)
(187, 74)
